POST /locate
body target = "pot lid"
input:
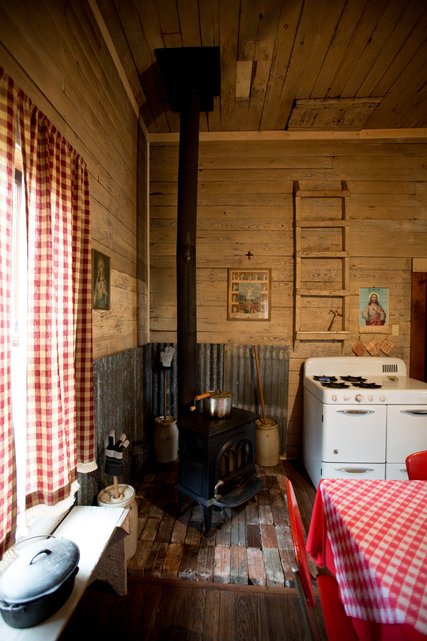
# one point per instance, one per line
(39, 570)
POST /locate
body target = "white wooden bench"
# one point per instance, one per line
(99, 532)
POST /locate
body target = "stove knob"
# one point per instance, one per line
(382, 398)
(358, 397)
(346, 397)
(334, 397)
(370, 397)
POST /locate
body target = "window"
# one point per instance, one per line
(46, 396)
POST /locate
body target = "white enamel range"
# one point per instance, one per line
(362, 417)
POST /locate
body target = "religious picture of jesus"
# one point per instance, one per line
(373, 309)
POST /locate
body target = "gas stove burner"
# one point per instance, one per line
(353, 379)
(335, 385)
(325, 379)
(367, 385)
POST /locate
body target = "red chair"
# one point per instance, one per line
(338, 625)
(416, 466)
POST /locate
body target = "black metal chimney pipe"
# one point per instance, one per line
(192, 77)
(186, 253)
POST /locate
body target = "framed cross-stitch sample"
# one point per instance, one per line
(248, 294)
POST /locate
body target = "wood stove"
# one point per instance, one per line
(216, 456)
(217, 461)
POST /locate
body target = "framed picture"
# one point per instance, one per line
(373, 309)
(248, 294)
(100, 280)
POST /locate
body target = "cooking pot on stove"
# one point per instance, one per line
(215, 403)
(38, 582)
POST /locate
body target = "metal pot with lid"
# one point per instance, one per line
(38, 582)
(216, 403)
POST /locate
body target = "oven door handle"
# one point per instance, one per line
(355, 470)
(355, 412)
(414, 412)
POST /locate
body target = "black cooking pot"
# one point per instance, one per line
(38, 582)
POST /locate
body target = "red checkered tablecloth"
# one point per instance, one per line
(377, 531)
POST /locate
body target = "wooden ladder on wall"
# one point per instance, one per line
(322, 272)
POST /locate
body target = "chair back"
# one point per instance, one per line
(416, 466)
(297, 531)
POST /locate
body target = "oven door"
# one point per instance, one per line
(354, 434)
(406, 433)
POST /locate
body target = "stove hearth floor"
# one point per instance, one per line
(250, 544)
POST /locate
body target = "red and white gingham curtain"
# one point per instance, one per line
(60, 432)
(7, 450)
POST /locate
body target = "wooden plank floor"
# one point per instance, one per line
(183, 586)
(166, 610)
(250, 545)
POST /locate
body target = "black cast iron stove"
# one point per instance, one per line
(217, 461)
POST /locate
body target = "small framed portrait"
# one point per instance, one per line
(373, 310)
(248, 294)
(100, 280)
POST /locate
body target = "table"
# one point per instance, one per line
(372, 535)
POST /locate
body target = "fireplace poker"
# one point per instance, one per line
(259, 382)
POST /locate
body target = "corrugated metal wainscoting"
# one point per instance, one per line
(229, 367)
(119, 405)
(240, 377)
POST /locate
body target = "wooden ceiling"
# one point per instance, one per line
(290, 65)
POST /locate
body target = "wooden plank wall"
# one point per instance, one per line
(56, 54)
(246, 204)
